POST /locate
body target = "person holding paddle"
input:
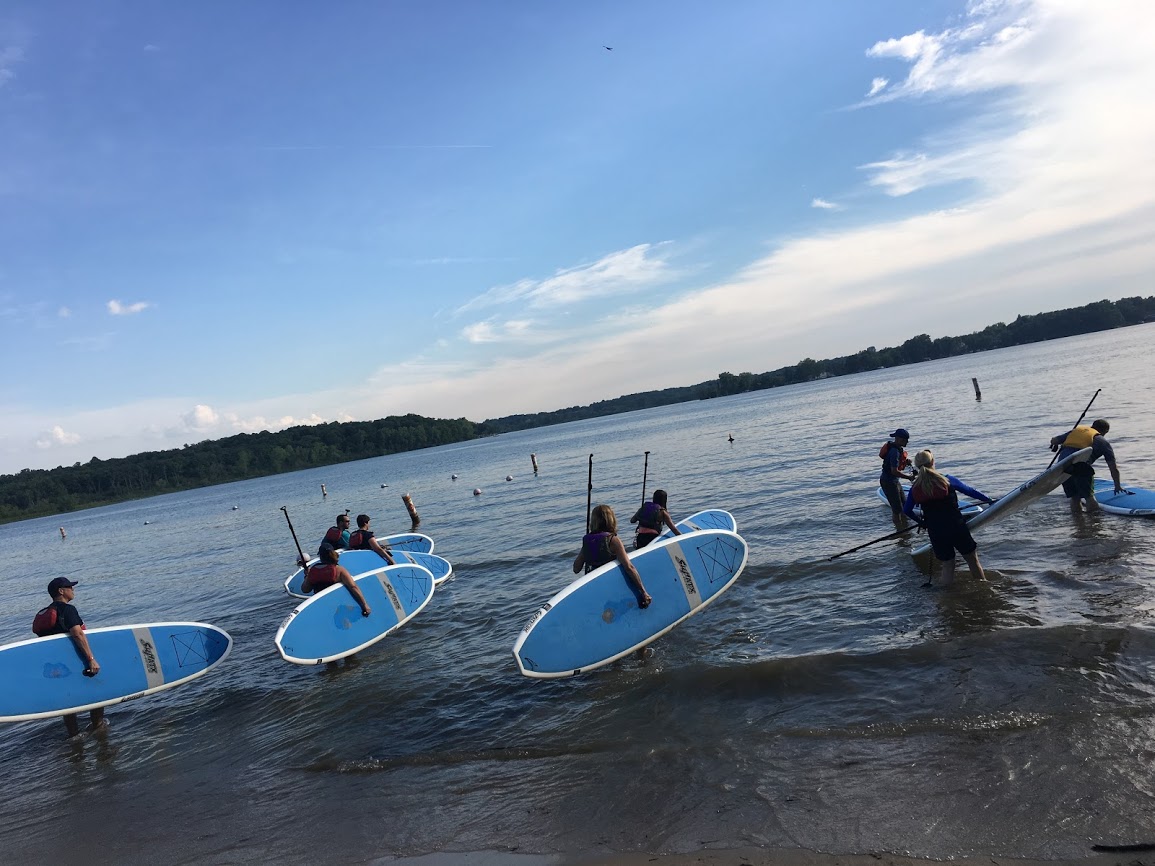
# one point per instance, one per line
(937, 495)
(601, 545)
(363, 539)
(1080, 482)
(651, 517)
(327, 572)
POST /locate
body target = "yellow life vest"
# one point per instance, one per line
(1080, 438)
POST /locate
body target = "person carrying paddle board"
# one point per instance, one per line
(1080, 483)
(337, 535)
(601, 545)
(328, 572)
(61, 617)
(363, 539)
(937, 495)
(894, 461)
(651, 517)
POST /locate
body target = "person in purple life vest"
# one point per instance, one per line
(651, 517)
(328, 572)
(602, 545)
(68, 621)
(337, 535)
(937, 495)
(363, 539)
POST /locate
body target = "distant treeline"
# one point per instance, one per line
(37, 492)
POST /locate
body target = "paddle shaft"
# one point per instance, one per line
(1076, 424)
(589, 494)
(645, 471)
(883, 538)
(301, 553)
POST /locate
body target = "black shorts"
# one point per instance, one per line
(946, 540)
(893, 491)
(1080, 484)
(644, 538)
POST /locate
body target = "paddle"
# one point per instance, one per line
(304, 559)
(645, 470)
(910, 528)
(589, 494)
(1076, 424)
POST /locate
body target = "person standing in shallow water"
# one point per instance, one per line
(602, 545)
(68, 622)
(650, 519)
(894, 461)
(1079, 485)
(937, 495)
(327, 572)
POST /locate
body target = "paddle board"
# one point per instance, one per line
(966, 505)
(1021, 496)
(1133, 501)
(329, 626)
(360, 561)
(712, 518)
(596, 619)
(44, 676)
(413, 542)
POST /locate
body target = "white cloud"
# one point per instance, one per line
(64, 312)
(492, 331)
(823, 204)
(10, 58)
(876, 85)
(55, 437)
(479, 332)
(116, 308)
(628, 270)
(201, 418)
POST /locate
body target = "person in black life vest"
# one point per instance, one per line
(363, 539)
(601, 545)
(1080, 483)
(937, 495)
(337, 535)
(328, 572)
(650, 519)
(68, 622)
(894, 461)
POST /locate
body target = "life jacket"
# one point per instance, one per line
(884, 451)
(359, 540)
(47, 622)
(322, 576)
(1081, 437)
(650, 518)
(596, 550)
(940, 502)
(333, 536)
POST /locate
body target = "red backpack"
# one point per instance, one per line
(44, 623)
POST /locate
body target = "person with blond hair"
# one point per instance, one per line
(602, 545)
(937, 495)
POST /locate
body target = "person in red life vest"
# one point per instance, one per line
(327, 572)
(1079, 485)
(894, 461)
(937, 495)
(363, 539)
(337, 535)
(601, 545)
(67, 621)
(650, 519)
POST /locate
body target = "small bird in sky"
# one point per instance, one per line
(607, 48)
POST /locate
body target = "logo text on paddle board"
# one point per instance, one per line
(687, 578)
(393, 599)
(535, 617)
(149, 656)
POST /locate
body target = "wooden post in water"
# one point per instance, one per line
(978, 393)
(533, 460)
(411, 508)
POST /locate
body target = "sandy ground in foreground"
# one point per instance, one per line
(797, 857)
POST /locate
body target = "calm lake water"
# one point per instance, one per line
(836, 706)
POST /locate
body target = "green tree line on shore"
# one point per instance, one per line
(38, 492)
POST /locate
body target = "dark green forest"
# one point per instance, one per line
(37, 492)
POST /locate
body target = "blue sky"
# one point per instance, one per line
(223, 217)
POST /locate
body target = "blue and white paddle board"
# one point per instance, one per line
(44, 676)
(1021, 496)
(413, 542)
(360, 561)
(711, 518)
(596, 619)
(329, 625)
(966, 505)
(1133, 501)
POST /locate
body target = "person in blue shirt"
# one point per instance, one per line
(894, 461)
(937, 495)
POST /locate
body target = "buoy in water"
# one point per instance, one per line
(236, 508)
(383, 486)
(452, 477)
(508, 477)
(476, 491)
(146, 523)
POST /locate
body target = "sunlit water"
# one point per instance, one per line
(838, 706)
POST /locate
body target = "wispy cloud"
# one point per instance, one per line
(10, 57)
(116, 308)
(620, 272)
(876, 86)
(823, 204)
(64, 312)
(492, 331)
(56, 437)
